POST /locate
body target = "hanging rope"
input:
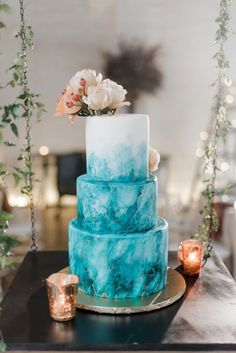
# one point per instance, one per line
(28, 158)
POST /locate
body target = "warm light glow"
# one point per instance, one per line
(18, 201)
(62, 293)
(51, 196)
(190, 256)
(204, 135)
(224, 166)
(44, 150)
(199, 152)
(228, 82)
(229, 98)
(193, 256)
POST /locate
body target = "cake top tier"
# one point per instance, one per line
(117, 147)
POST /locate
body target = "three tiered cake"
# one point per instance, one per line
(117, 244)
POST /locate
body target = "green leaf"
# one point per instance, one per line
(1, 136)
(14, 129)
(25, 115)
(5, 216)
(39, 105)
(17, 179)
(20, 157)
(15, 76)
(12, 83)
(2, 25)
(3, 346)
(3, 260)
(5, 8)
(9, 144)
(2, 168)
(22, 96)
(15, 110)
(25, 171)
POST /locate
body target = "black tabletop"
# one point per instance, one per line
(204, 319)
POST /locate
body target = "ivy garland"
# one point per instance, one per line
(6, 242)
(25, 105)
(221, 128)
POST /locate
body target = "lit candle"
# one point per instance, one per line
(62, 296)
(190, 255)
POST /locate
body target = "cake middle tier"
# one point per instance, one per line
(116, 206)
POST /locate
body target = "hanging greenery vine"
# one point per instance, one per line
(6, 242)
(24, 106)
(221, 128)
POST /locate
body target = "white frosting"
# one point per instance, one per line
(105, 131)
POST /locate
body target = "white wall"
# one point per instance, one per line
(72, 34)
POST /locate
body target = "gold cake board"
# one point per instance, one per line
(174, 290)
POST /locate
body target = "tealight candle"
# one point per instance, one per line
(190, 255)
(62, 295)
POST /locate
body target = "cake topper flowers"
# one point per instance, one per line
(87, 95)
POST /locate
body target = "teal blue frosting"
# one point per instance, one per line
(121, 163)
(116, 206)
(119, 265)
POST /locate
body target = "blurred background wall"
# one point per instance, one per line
(73, 34)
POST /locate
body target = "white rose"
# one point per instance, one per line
(116, 92)
(98, 97)
(85, 78)
(154, 159)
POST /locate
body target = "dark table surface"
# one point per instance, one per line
(204, 319)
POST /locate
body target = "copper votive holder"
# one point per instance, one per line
(62, 295)
(190, 255)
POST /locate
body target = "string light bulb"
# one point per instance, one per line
(199, 152)
(228, 82)
(204, 135)
(229, 99)
(224, 166)
(43, 150)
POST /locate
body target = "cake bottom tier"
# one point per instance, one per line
(127, 265)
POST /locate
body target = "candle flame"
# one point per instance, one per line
(193, 256)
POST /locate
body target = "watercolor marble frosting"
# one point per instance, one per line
(124, 265)
(117, 244)
(116, 206)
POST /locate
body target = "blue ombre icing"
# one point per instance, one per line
(118, 245)
(121, 163)
(119, 265)
(116, 206)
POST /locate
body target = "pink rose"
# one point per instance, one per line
(69, 103)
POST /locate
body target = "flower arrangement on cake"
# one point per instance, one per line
(89, 95)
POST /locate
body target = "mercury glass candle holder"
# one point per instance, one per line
(62, 296)
(191, 254)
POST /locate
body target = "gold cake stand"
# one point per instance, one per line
(174, 289)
